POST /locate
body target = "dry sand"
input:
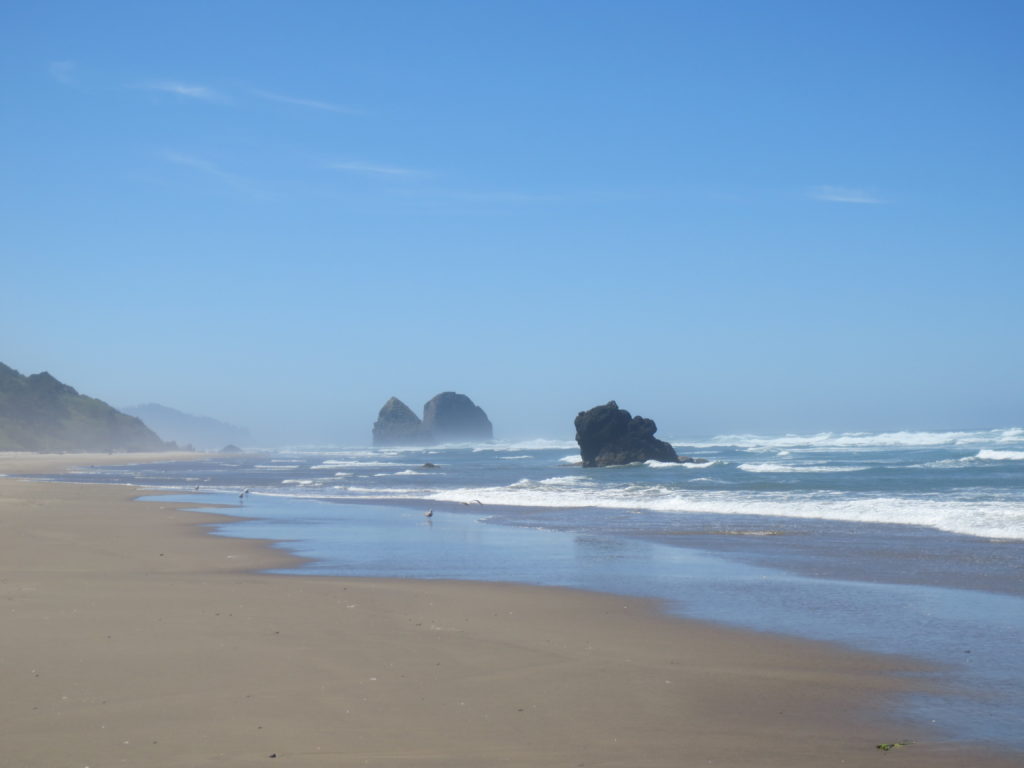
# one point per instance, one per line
(132, 637)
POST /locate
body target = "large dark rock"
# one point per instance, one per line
(397, 425)
(608, 435)
(40, 413)
(451, 417)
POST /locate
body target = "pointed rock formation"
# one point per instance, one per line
(451, 417)
(397, 425)
(608, 436)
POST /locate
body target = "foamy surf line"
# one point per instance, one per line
(988, 519)
(859, 440)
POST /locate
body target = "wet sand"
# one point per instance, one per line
(132, 637)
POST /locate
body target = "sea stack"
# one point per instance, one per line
(397, 425)
(447, 418)
(608, 436)
(451, 417)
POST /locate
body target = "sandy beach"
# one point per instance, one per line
(132, 637)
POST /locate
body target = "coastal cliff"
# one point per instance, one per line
(40, 413)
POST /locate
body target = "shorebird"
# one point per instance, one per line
(429, 513)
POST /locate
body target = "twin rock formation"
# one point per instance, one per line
(609, 436)
(447, 417)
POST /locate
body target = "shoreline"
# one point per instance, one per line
(129, 622)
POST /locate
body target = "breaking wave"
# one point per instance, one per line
(991, 455)
(991, 518)
(655, 464)
(832, 440)
(770, 467)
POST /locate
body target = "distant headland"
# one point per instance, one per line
(40, 413)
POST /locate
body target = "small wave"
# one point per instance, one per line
(355, 464)
(513, 458)
(655, 464)
(568, 480)
(538, 444)
(299, 482)
(854, 440)
(574, 458)
(991, 455)
(275, 466)
(770, 467)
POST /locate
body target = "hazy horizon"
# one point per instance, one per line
(731, 218)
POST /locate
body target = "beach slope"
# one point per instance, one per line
(132, 637)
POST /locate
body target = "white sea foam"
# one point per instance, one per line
(991, 455)
(299, 482)
(513, 458)
(574, 458)
(654, 464)
(832, 440)
(772, 467)
(355, 464)
(992, 518)
(275, 466)
(537, 444)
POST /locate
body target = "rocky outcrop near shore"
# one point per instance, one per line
(447, 417)
(397, 425)
(608, 435)
(40, 413)
(451, 417)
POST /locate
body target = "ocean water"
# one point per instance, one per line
(909, 543)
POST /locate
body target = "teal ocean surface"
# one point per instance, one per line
(909, 543)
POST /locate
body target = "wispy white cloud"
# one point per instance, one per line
(326, 106)
(64, 72)
(844, 195)
(499, 197)
(212, 170)
(373, 170)
(200, 92)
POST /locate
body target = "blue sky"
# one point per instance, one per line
(729, 217)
